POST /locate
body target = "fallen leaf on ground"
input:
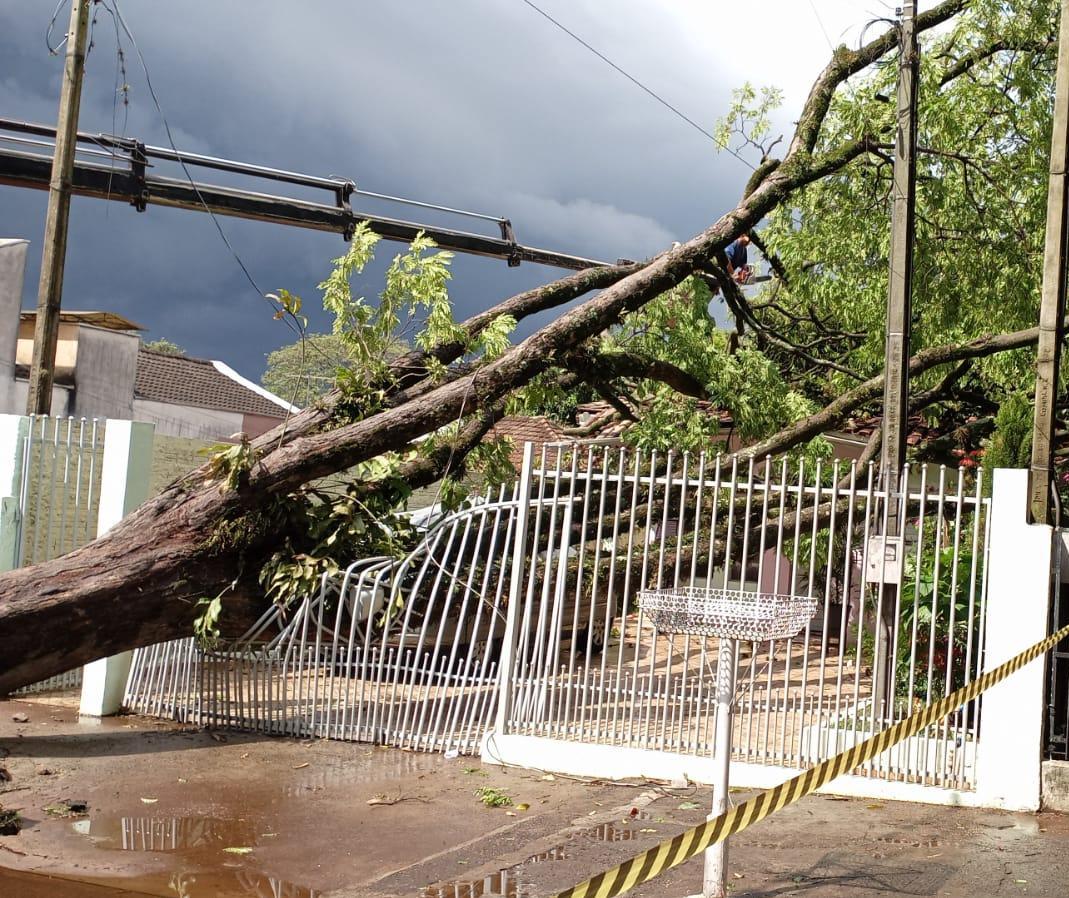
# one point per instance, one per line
(738, 875)
(522, 806)
(690, 806)
(874, 807)
(241, 849)
(510, 813)
(149, 800)
(217, 737)
(549, 778)
(300, 766)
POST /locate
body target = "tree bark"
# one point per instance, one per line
(140, 583)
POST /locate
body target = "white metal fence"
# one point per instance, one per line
(63, 481)
(400, 652)
(520, 612)
(57, 471)
(589, 667)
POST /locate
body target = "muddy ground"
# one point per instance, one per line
(173, 811)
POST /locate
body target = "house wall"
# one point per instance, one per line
(104, 370)
(12, 270)
(188, 421)
(254, 425)
(174, 456)
(62, 399)
(66, 346)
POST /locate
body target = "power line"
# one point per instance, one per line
(170, 140)
(640, 85)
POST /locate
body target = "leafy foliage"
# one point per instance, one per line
(165, 346)
(493, 798)
(303, 371)
(935, 601)
(981, 194)
(1010, 445)
(324, 526)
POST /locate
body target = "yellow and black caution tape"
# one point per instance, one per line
(675, 851)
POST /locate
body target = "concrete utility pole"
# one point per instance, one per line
(1052, 305)
(50, 291)
(896, 386)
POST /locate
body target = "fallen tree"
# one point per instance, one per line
(210, 533)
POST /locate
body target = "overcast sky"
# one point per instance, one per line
(477, 104)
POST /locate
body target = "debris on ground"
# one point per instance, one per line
(493, 798)
(69, 807)
(10, 822)
(20, 718)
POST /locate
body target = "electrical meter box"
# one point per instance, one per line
(885, 556)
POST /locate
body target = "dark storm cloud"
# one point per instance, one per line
(476, 104)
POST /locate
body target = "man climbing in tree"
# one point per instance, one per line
(738, 266)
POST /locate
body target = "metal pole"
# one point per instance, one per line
(899, 300)
(517, 578)
(1052, 305)
(716, 856)
(50, 291)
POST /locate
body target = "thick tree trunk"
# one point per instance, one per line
(141, 582)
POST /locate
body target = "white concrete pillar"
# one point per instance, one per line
(125, 473)
(12, 277)
(13, 431)
(1019, 582)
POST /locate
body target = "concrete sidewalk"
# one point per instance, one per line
(176, 811)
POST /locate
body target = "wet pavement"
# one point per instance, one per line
(186, 813)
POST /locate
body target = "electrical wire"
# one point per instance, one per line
(54, 51)
(290, 318)
(640, 85)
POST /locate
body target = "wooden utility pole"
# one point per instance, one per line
(896, 385)
(1052, 304)
(50, 290)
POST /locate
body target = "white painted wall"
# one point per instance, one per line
(187, 421)
(126, 470)
(1011, 713)
(12, 274)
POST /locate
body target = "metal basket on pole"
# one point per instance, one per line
(730, 615)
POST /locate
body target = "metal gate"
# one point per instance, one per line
(56, 467)
(520, 612)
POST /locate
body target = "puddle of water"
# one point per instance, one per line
(165, 833)
(374, 767)
(202, 867)
(509, 881)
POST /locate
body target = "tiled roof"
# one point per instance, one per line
(198, 382)
(523, 429)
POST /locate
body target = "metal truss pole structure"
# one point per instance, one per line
(120, 168)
